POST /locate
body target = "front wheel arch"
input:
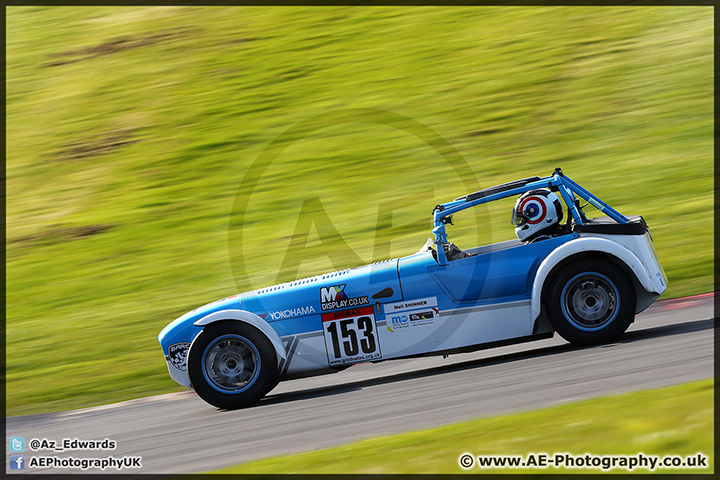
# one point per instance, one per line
(246, 318)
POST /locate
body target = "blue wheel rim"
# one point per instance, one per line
(230, 364)
(590, 301)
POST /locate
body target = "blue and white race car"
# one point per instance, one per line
(585, 278)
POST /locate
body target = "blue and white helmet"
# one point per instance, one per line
(534, 212)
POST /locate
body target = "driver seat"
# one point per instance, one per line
(453, 252)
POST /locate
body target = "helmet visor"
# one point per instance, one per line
(517, 218)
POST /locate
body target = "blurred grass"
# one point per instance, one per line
(131, 129)
(674, 420)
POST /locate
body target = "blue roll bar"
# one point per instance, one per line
(556, 182)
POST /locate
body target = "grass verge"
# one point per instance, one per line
(677, 420)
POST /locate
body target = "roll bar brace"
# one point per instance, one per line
(557, 182)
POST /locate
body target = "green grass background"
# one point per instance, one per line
(674, 421)
(131, 130)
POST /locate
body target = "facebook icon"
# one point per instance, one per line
(17, 462)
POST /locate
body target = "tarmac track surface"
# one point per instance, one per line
(178, 433)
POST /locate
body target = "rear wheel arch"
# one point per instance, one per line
(592, 254)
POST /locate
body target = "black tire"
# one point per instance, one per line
(590, 301)
(244, 372)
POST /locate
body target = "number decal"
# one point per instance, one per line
(332, 328)
(350, 336)
(368, 343)
(350, 346)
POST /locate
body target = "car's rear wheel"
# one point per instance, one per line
(232, 365)
(590, 301)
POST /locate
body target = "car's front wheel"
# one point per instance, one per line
(232, 365)
(590, 301)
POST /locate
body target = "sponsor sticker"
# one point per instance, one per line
(178, 355)
(334, 297)
(421, 316)
(290, 312)
(412, 319)
(411, 305)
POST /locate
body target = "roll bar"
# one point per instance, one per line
(557, 182)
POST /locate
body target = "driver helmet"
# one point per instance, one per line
(535, 212)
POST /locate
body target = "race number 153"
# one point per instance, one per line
(350, 336)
